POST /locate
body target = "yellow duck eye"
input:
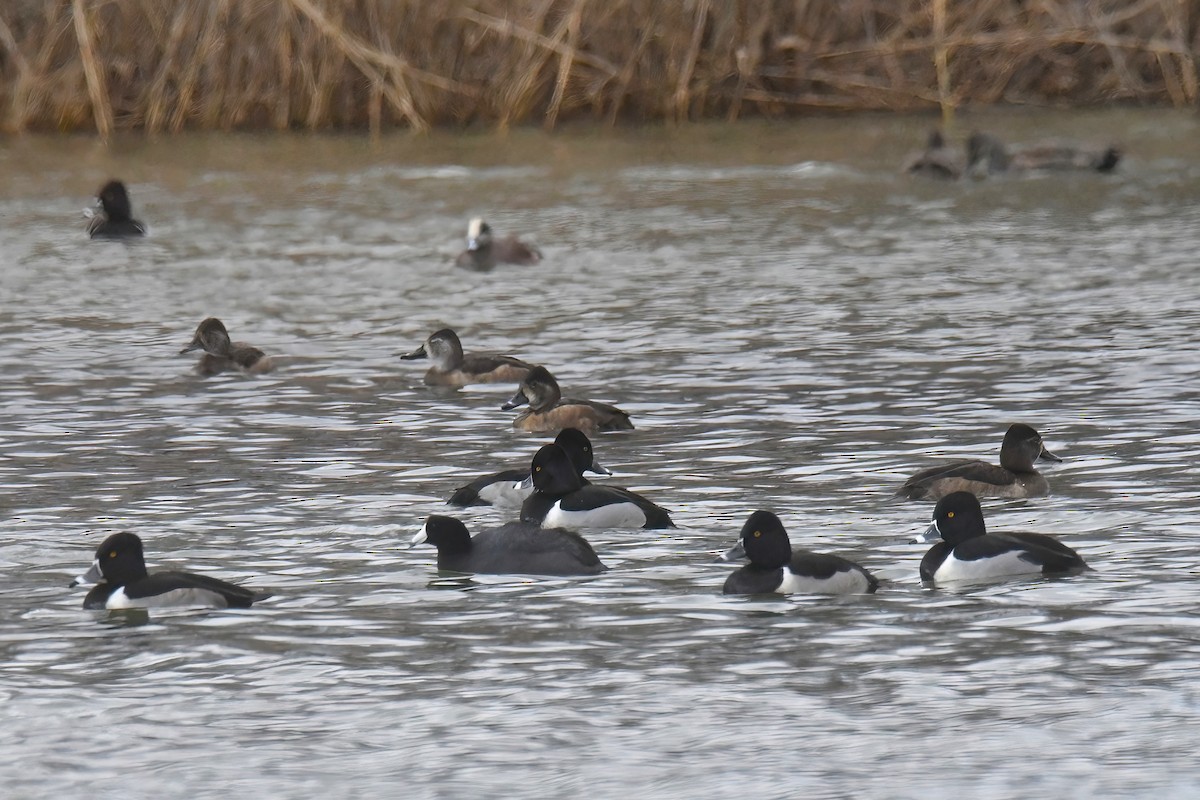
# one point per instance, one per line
(757, 534)
(949, 515)
(113, 554)
(537, 469)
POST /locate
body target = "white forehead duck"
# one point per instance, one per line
(120, 568)
(517, 548)
(967, 552)
(987, 155)
(1014, 478)
(775, 568)
(561, 500)
(549, 410)
(510, 487)
(222, 355)
(484, 251)
(115, 220)
(937, 160)
(452, 367)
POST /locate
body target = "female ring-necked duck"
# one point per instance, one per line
(518, 548)
(453, 367)
(967, 552)
(1015, 477)
(124, 582)
(549, 410)
(484, 251)
(560, 500)
(936, 160)
(510, 487)
(222, 355)
(987, 155)
(116, 218)
(775, 568)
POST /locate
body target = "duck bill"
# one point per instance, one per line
(93, 575)
(415, 354)
(421, 537)
(1046, 455)
(518, 399)
(735, 553)
(598, 469)
(526, 484)
(190, 348)
(930, 534)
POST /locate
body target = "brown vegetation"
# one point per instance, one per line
(170, 65)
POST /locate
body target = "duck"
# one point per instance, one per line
(484, 251)
(119, 572)
(967, 552)
(116, 218)
(1014, 478)
(452, 367)
(549, 411)
(775, 568)
(518, 548)
(509, 488)
(936, 160)
(222, 355)
(987, 155)
(561, 500)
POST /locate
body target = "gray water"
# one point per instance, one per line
(792, 324)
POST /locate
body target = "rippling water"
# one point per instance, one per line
(792, 325)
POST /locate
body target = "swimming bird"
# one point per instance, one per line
(452, 367)
(517, 548)
(967, 552)
(222, 355)
(987, 155)
(1015, 477)
(484, 251)
(120, 568)
(116, 218)
(509, 488)
(936, 160)
(775, 567)
(549, 411)
(560, 500)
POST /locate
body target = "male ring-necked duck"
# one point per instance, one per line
(509, 488)
(967, 552)
(518, 548)
(775, 568)
(987, 155)
(484, 251)
(453, 367)
(1015, 477)
(560, 500)
(936, 160)
(124, 582)
(116, 218)
(549, 410)
(222, 355)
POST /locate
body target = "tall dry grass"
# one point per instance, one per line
(170, 65)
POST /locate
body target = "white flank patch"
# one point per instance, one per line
(505, 494)
(614, 515)
(848, 582)
(981, 569)
(175, 598)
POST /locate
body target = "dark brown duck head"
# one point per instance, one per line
(212, 338)
(986, 155)
(1022, 446)
(539, 389)
(114, 199)
(443, 348)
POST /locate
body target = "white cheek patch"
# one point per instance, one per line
(848, 582)
(1009, 563)
(614, 515)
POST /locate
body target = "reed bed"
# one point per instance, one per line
(171, 65)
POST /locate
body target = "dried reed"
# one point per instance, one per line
(170, 65)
